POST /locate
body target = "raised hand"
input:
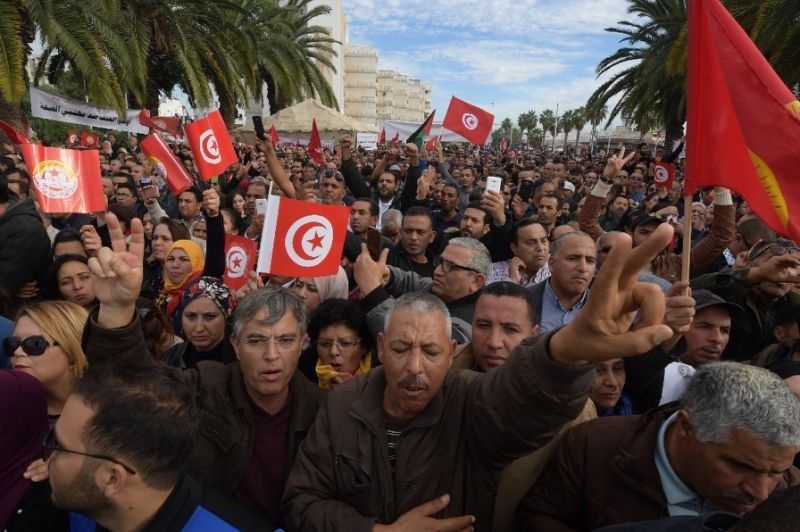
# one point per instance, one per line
(419, 518)
(776, 269)
(615, 164)
(117, 274)
(253, 283)
(368, 273)
(211, 202)
(495, 205)
(515, 269)
(602, 329)
(91, 240)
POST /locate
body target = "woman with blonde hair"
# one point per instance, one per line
(46, 343)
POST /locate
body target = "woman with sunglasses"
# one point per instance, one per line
(46, 344)
(340, 344)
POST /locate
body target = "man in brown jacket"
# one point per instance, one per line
(413, 445)
(665, 265)
(728, 446)
(253, 412)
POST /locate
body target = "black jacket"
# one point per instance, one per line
(24, 246)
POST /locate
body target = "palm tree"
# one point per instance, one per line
(527, 121)
(547, 119)
(595, 114)
(565, 122)
(578, 123)
(655, 59)
(291, 52)
(87, 35)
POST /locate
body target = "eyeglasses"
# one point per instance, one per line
(51, 445)
(283, 344)
(447, 266)
(343, 344)
(32, 345)
(334, 174)
(776, 250)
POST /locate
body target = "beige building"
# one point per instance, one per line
(360, 83)
(401, 97)
(336, 22)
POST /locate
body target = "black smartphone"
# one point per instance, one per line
(526, 190)
(258, 125)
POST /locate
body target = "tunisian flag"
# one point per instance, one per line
(65, 180)
(664, 175)
(382, 137)
(743, 123)
(167, 124)
(273, 135)
(165, 162)
(469, 121)
(302, 239)
(240, 258)
(315, 144)
(211, 145)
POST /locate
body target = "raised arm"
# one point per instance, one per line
(518, 407)
(215, 241)
(723, 231)
(352, 177)
(276, 170)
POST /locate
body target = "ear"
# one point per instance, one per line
(112, 479)
(684, 428)
(452, 354)
(379, 340)
(476, 284)
(513, 247)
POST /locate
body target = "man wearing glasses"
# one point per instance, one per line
(254, 412)
(117, 453)
(766, 283)
(458, 276)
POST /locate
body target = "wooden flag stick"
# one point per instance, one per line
(687, 238)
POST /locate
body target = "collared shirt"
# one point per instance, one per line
(500, 273)
(680, 499)
(382, 208)
(553, 314)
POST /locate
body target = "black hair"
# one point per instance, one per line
(196, 191)
(487, 218)
(3, 189)
(68, 234)
(8, 162)
(779, 512)
(51, 279)
(509, 289)
(419, 210)
(178, 231)
(373, 207)
(521, 224)
(21, 171)
(340, 312)
(144, 416)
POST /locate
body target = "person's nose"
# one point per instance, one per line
(415, 364)
(715, 335)
(759, 486)
(495, 340)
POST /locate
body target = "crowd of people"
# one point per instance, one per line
(521, 359)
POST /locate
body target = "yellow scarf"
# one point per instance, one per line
(326, 373)
(170, 296)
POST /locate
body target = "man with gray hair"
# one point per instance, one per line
(253, 412)
(458, 276)
(727, 446)
(412, 445)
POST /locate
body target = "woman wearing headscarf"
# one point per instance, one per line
(185, 262)
(315, 290)
(24, 505)
(205, 309)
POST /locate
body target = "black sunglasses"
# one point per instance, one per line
(32, 345)
(51, 445)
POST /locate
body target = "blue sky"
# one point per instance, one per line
(517, 54)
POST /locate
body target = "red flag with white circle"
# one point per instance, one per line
(240, 259)
(211, 145)
(302, 238)
(65, 180)
(469, 121)
(664, 175)
(89, 140)
(73, 138)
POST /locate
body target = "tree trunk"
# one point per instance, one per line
(14, 115)
(674, 131)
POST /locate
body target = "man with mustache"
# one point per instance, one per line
(726, 447)
(412, 445)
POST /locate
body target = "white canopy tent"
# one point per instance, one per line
(295, 122)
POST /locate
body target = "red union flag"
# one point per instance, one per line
(382, 137)
(431, 144)
(72, 138)
(315, 144)
(301, 238)
(240, 259)
(743, 123)
(211, 145)
(89, 140)
(166, 164)
(65, 180)
(469, 121)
